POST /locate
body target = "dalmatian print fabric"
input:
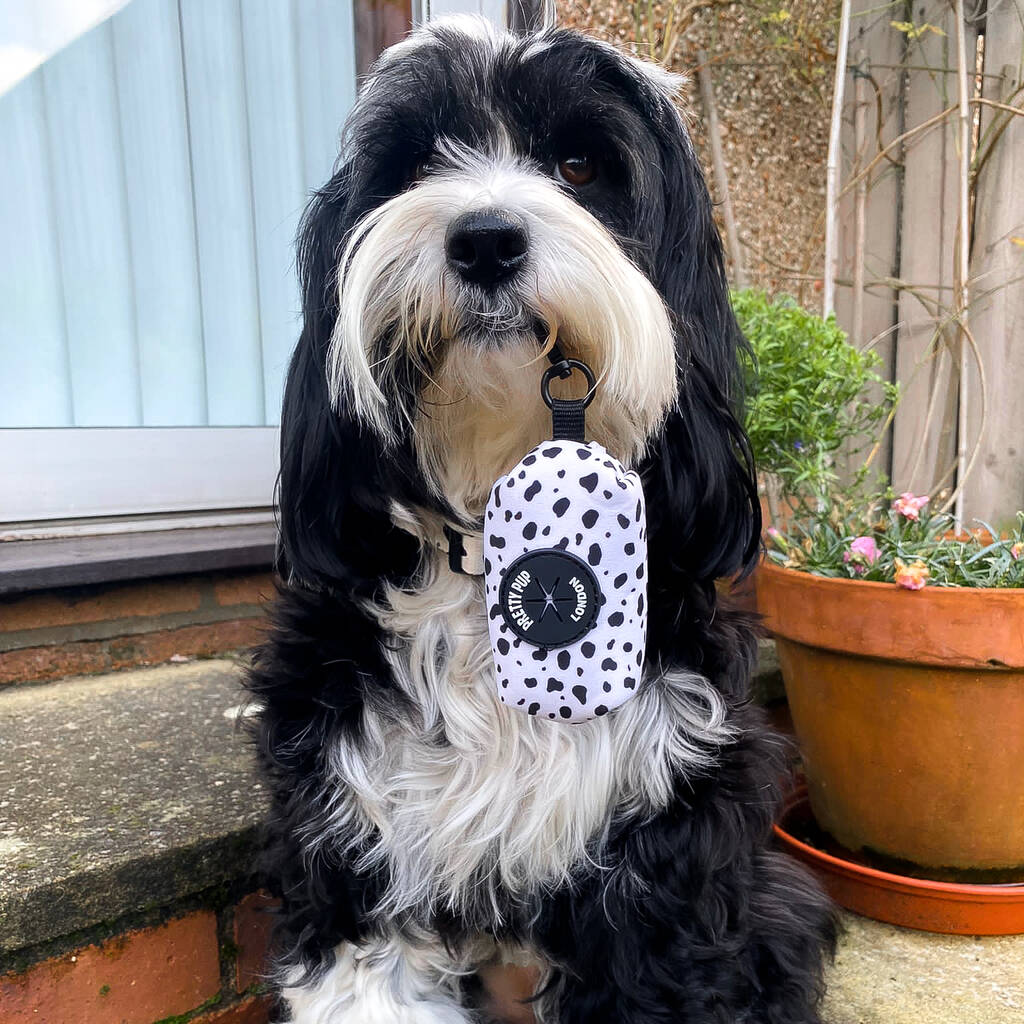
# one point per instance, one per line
(565, 573)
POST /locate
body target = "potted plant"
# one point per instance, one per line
(900, 640)
(812, 397)
(901, 644)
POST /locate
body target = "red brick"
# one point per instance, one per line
(99, 604)
(137, 978)
(249, 1011)
(253, 925)
(88, 657)
(254, 588)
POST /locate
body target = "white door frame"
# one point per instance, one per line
(87, 472)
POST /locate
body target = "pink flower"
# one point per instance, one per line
(913, 576)
(863, 552)
(910, 505)
(1017, 550)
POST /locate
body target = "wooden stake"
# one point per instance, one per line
(828, 302)
(732, 238)
(860, 103)
(961, 264)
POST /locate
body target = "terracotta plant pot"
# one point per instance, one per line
(909, 708)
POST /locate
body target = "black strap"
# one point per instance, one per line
(568, 419)
(456, 549)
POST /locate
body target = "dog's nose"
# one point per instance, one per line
(486, 247)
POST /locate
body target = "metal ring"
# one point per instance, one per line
(558, 370)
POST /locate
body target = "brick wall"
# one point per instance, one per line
(85, 630)
(207, 966)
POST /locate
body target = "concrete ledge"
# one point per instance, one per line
(120, 793)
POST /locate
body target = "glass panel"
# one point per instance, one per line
(153, 173)
(158, 185)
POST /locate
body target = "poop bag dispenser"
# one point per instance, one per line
(565, 571)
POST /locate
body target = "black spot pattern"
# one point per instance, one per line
(597, 516)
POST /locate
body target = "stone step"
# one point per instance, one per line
(119, 793)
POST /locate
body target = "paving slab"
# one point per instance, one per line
(135, 789)
(888, 975)
(119, 793)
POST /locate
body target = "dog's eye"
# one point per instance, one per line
(576, 170)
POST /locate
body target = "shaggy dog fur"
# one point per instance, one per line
(421, 828)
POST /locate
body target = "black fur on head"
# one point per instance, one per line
(536, 100)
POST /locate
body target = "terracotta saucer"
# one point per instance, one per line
(949, 907)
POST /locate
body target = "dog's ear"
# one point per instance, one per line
(335, 487)
(703, 511)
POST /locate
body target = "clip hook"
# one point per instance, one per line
(563, 369)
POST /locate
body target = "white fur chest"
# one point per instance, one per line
(467, 795)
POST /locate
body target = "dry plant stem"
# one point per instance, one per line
(828, 300)
(991, 136)
(976, 451)
(961, 264)
(932, 121)
(707, 93)
(979, 362)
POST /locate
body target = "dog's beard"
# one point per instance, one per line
(480, 355)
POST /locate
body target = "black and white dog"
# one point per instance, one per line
(494, 191)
